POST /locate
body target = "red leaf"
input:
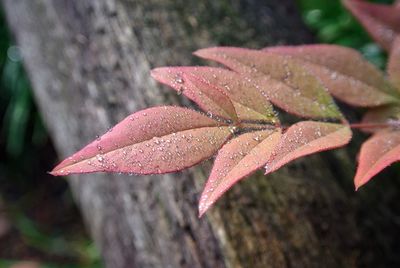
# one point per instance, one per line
(209, 97)
(394, 63)
(381, 21)
(306, 138)
(389, 115)
(237, 159)
(376, 153)
(358, 83)
(283, 81)
(247, 100)
(155, 140)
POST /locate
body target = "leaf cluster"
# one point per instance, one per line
(240, 124)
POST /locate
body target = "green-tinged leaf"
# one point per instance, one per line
(346, 74)
(281, 79)
(247, 100)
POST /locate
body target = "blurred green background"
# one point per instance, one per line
(38, 220)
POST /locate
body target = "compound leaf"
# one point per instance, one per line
(235, 160)
(283, 81)
(155, 140)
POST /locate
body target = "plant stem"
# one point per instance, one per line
(372, 125)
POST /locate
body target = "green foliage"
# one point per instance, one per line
(333, 24)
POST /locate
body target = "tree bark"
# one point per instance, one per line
(89, 64)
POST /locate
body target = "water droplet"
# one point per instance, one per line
(179, 79)
(267, 168)
(180, 91)
(233, 129)
(100, 158)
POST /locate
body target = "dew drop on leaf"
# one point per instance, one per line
(233, 129)
(100, 158)
(179, 79)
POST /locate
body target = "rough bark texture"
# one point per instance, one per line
(89, 63)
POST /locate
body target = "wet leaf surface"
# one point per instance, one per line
(358, 83)
(155, 140)
(237, 159)
(283, 81)
(230, 87)
(305, 138)
(377, 153)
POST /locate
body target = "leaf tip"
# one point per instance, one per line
(199, 52)
(204, 205)
(357, 185)
(156, 73)
(205, 53)
(58, 172)
(360, 181)
(201, 213)
(202, 210)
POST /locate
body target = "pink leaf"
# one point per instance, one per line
(237, 159)
(394, 63)
(247, 100)
(156, 140)
(209, 97)
(381, 21)
(358, 83)
(283, 81)
(306, 138)
(376, 153)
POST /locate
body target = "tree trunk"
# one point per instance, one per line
(89, 64)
